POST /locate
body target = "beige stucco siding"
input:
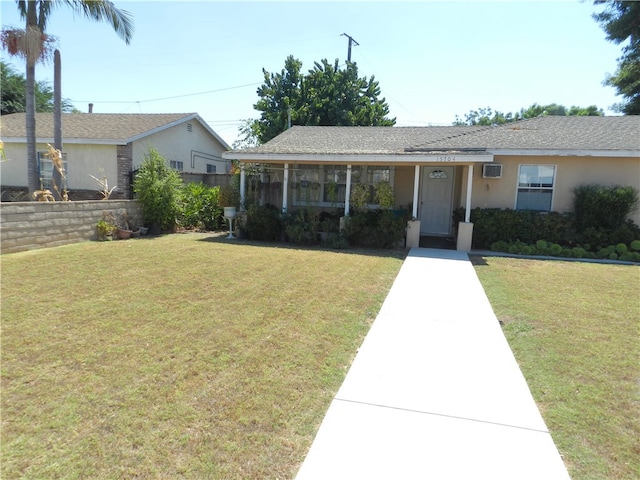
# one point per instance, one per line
(82, 161)
(570, 172)
(403, 185)
(195, 148)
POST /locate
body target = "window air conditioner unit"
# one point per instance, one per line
(492, 170)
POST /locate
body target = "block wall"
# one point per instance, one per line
(32, 225)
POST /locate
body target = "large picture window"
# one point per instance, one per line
(535, 187)
(326, 185)
(45, 171)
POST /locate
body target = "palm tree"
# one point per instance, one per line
(34, 44)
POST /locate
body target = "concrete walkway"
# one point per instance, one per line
(434, 391)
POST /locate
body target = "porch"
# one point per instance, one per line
(429, 191)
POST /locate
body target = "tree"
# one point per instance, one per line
(12, 94)
(486, 116)
(157, 188)
(326, 95)
(34, 44)
(621, 22)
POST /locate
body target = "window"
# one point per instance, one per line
(326, 185)
(211, 168)
(535, 187)
(45, 171)
(176, 165)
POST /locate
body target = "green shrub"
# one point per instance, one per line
(384, 195)
(541, 245)
(555, 250)
(329, 221)
(157, 188)
(600, 207)
(627, 257)
(200, 208)
(301, 227)
(621, 248)
(493, 224)
(376, 229)
(635, 245)
(263, 223)
(578, 252)
(360, 196)
(527, 250)
(499, 246)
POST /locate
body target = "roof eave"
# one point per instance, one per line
(413, 158)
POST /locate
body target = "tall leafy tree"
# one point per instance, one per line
(34, 44)
(12, 94)
(621, 22)
(487, 116)
(326, 95)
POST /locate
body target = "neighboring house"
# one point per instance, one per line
(528, 165)
(110, 144)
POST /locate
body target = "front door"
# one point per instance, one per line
(435, 200)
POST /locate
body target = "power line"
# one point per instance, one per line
(167, 98)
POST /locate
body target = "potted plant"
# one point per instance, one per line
(124, 229)
(228, 198)
(106, 227)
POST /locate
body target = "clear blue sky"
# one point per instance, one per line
(434, 60)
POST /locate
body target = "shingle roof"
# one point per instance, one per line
(543, 133)
(553, 133)
(120, 127)
(355, 140)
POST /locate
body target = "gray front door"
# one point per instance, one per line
(435, 200)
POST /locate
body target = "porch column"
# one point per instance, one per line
(465, 229)
(242, 186)
(413, 225)
(467, 214)
(285, 188)
(347, 193)
(416, 186)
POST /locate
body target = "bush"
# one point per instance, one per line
(376, 228)
(264, 223)
(302, 226)
(200, 207)
(600, 207)
(157, 188)
(494, 224)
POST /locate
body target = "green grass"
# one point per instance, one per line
(574, 329)
(188, 356)
(181, 356)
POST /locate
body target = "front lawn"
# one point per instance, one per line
(190, 356)
(182, 356)
(574, 329)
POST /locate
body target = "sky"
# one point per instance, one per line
(433, 60)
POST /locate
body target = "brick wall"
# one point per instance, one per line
(32, 225)
(125, 164)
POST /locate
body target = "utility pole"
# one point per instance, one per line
(351, 42)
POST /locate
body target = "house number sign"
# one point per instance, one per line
(445, 158)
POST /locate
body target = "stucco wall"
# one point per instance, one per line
(570, 172)
(82, 161)
(195, 148)
(33, 225)
(403, 185)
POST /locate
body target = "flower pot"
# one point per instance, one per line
(123, 234)
(230, 212)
